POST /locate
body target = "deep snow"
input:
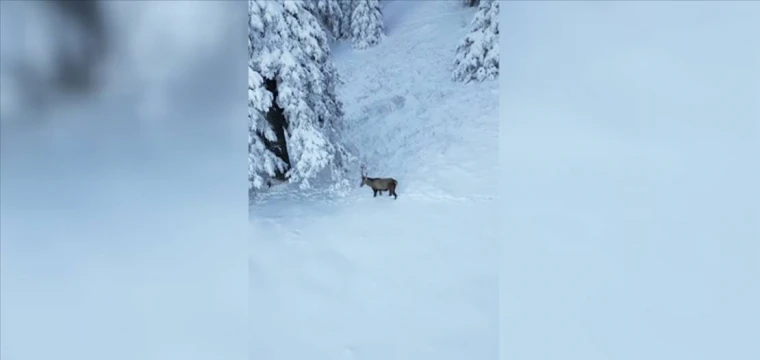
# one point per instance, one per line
(376, 278)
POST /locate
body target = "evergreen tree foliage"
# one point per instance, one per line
(330, 15)
(477, 56)
(293, 73)
(347, 9)
(263, 163)
(367, 27)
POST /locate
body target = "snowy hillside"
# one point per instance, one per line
(376, 278)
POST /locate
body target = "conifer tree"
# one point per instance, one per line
(330, 15)
(347, 9)
(291, 56)
(367, 28)
(477, 56)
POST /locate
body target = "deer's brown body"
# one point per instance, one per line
(380, 185)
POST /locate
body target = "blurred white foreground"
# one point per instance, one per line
(630, 164)
(123, 213)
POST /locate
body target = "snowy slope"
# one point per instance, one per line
(375, 278)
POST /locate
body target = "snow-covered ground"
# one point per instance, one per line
(376, 278)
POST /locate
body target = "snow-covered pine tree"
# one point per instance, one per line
(347, 9)
(291, 54)
(263, 163)
(477, 56)
(471, 3)
(330, 15)
(367, 27)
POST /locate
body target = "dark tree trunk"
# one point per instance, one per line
(276, 118)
